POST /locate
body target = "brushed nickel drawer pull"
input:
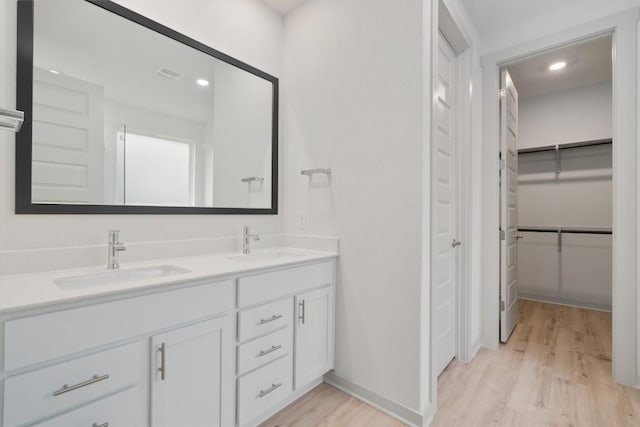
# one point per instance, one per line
(302, 312)
(100, 425)
(271, 350)
(67, 388)
(163, 361)
(270, 319)
(273, 387)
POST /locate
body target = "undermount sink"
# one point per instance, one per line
(270, 256)
(118, 276)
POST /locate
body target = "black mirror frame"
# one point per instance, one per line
(24, 102)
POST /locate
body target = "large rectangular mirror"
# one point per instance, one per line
(124, 115)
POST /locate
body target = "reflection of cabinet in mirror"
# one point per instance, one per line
(127, 113)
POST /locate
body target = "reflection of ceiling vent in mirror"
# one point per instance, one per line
(169, 73)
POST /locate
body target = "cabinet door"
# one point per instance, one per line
(187, 365)
(314, 336)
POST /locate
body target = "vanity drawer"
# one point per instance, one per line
(37, 339)
(266, 286)
(264, 319)
(124, 409)
(51, 390)
(264, 350)
(261, 390)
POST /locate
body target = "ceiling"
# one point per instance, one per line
(487, 15)
(283, 7)
(588, 63)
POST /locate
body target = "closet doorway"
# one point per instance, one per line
(624, 184)
(556, 179)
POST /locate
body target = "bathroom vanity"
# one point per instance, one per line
(216, 340)
(213, 340)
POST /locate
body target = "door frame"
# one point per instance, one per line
(461, 45)
(446, 18)
(624, 28)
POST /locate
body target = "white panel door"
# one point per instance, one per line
(445, 215)
(68, 135)
(508, 206)
(186, 377)
(313, 336)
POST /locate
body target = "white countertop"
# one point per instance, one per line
(35, 290)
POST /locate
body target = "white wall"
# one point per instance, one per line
(576, 13)
(352, 102)
(245, 29)
(574, 115)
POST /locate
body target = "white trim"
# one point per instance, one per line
(625, 160)
(428, 376)
(565, 302)
(475, 348)
(463, 133)
(427, 387)
(388, 406)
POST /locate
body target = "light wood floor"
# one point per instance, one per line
(554, 371)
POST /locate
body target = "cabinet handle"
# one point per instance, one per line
(271, 350)
(67, 388)
(273, 387)
(163, 367)
(301, 312)
(100, 425)
(270, 319)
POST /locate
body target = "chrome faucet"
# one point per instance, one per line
(246, 240)
(115, 247)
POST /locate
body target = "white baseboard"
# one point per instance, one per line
(565, 301)
(475, 348)
(388, 406)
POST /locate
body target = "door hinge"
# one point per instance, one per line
(503, 164)
(501, 305)
(503, 93)
(502, 234)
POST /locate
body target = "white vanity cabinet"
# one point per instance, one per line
(314, 335)
(99, 364)
(285, 337)
(219, 352)
(186, 373)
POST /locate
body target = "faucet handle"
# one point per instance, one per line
(114, 239)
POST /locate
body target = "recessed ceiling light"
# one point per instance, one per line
(52, 71)
(557, 66)
(202, 82)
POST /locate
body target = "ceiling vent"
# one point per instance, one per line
(169, 73)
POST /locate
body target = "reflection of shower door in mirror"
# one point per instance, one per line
(67, 140)
(155, 170)
(117, 168)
